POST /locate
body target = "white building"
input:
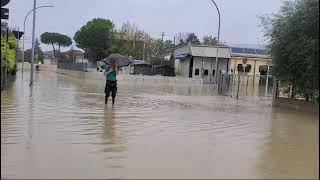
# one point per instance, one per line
(133, 67)
(198, 61)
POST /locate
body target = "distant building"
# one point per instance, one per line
(75, 56)
(198, 61)
(164, 70)
(257, 59)
(49, 58)
(138, 67)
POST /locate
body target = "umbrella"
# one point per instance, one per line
(120, 60)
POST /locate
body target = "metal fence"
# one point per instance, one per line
(236, 85)
(73, 66)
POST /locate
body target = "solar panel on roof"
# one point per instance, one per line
(249, 51)
(261, 51)
(236, 50)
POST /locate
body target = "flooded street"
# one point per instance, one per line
(61, 128)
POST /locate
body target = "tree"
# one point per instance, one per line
(181, 38)
(192, 39)
(169, 47)
(209, 40)
(95, 38)
(63, 40)
(37, 50)
(56, 39)
(131, 41)
(27, 55)
(293, 42)
(156, 52)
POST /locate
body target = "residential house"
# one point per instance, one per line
(199, 61)
(164, 70)
(256, 56)
(138, 67)
(75, 56)
(49, 58)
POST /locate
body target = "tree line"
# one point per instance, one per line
(293, 43)
(98, 38)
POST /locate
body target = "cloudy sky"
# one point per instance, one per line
(239, 22)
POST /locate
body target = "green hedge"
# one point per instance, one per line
(11, 64)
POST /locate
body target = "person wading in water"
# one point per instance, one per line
(111, 72)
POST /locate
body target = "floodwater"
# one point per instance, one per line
(61, 128)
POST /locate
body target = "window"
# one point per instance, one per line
(264, 70)
(196, 72)
(247, 69)
(231, 70)
(213, 72)
(206, 72)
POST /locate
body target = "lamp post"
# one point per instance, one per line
(216, 69)
(33, 32)
(24, 28)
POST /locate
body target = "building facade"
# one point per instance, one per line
(256, 56)
(199, 61)
(196, 61)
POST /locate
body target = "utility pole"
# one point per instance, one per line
(33, 34)
(162, 36)
(267, 80)
(144, 50)
(162, 48)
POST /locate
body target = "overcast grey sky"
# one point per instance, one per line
(239, 22)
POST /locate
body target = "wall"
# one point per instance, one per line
(182, 68)
(50, 61)
(134, 78)
(254, 62)
(177, 67)
(47, 67)
(197, 64)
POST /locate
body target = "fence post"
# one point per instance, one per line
(231, 87)
(274, 91)
(247, 84)
(238, 86)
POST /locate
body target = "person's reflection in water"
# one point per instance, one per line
(112, 140)
(113, 146)
(109, 130)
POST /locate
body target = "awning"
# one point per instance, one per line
(182, 56)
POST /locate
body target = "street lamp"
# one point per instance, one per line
(24, 28)
(33, 32)
(216, 71)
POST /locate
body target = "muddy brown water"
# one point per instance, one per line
(61, 128)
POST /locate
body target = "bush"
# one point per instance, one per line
(11, 64)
